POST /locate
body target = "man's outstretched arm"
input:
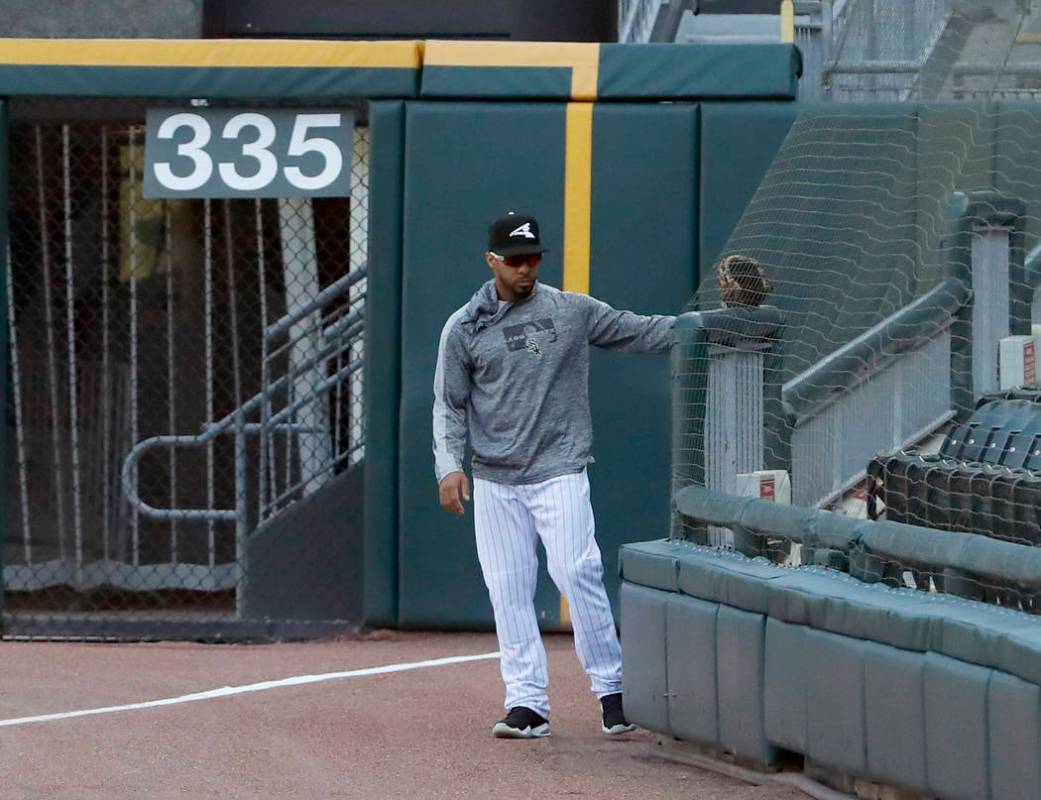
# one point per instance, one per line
(623, 330)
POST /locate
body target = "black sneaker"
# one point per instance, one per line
(614, 717)
(521, 723)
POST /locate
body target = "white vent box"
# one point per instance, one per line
(1018, 361)
(767, 484)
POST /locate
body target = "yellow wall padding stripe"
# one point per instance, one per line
(210, 53)
(578, 177)
(582, 58)
(578, 193)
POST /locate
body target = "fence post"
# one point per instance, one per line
(721, 370)
(987, 254)
(7, 289)
(241, 518)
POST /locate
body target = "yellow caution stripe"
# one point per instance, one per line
(582, 58)
(210, 53)
(578, 196)
(578, 190)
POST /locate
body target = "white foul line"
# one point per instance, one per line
(263, 686)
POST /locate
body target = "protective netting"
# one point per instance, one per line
(889, 372)
(235, 325)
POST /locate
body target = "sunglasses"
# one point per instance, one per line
(516, 261)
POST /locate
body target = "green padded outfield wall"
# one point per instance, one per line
(465, 163)
(5, 465)
(478, 160)
(441, 169)
(738, 142)
(383, 361)
(643, 257)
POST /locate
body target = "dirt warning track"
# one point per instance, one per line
(373, 719)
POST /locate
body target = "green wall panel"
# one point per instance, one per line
(383, 360)
(507, 83)
(694, 71)
(738, 142)
(465, 164)
(643, 257)
(4, 471)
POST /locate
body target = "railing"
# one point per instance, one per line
(885, 389)
(307, 383)
(921, 366)
(636, 19)
(962, 563)
(724, 386)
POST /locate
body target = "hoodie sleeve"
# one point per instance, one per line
(623, 330)
(451, 395)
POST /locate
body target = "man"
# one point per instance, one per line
(512, 370)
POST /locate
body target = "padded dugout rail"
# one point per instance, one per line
(827, 665)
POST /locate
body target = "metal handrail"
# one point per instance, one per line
(909, 328)
(320, 300)
(129, 482)
(328, 383)
(332, 332)
(288, 493)
(637, 10)
(338, 338)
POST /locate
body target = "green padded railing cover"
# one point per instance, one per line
(977, 633)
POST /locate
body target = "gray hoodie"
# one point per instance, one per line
(518, 374)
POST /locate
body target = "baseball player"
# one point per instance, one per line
(512, 371)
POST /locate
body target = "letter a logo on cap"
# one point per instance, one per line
(524, 230)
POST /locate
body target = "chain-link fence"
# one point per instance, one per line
(182, 371)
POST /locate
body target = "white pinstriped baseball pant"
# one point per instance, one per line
(509, 521)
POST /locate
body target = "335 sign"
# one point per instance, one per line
(237, 153)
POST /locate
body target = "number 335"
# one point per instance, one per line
(255, 150)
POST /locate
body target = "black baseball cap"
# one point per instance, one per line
(515, 234)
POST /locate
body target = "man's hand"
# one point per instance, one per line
(454, 488)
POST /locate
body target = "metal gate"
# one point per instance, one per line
(181, 371)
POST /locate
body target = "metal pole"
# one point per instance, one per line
(208, 301)
(232, 303)
(302, 286)
(265, 409)
(132, 223)
(52, 356)
(19, 424)
(70, 323)
(240, 513)
(106, 385)
(289, 438)
(359, 243)
(827, 30)
(171, 373)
